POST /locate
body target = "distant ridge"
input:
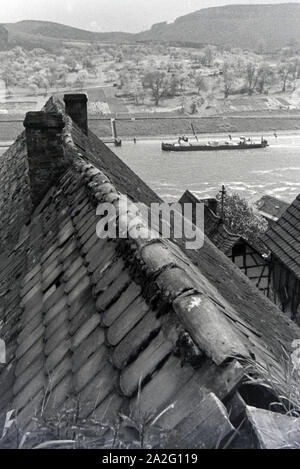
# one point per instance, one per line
(257, 27)
(46, 34)
(247, 26)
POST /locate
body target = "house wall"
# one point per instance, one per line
(286, 289)
(253, 265)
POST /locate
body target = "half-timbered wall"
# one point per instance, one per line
(253, 265)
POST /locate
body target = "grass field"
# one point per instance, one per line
(170, 126)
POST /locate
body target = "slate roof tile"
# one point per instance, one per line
(56, 309)
(108, 295)
(82, 302)
(82, 285)
(30, 314)
(85, 330)
(57, 350)
(29, 341)
(69, 249)
(33, 387)
(87, 347)
(71, 265)
(30, 372)
(60, 319)
(283, 237)
(36, 279)
(60, 394)
(90, 369)
(104, 275)
(158, 349)
(33, 296)
(53, 296)
(127, 320)
(30, 411)
(31, 274)
(55, 339)
(135, 339)
(100, 255)
(111, 314)
(164, 386)
(101, 386)
(29, 328)
(76, 278)
(35, 351)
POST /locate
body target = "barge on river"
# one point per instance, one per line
(243, 144)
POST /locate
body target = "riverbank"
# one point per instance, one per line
(203, 138)
(165, 127)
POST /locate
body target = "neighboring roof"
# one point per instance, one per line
(283, 238)
(219, 234)
(270, 207)
(93, 320)
(214, 228)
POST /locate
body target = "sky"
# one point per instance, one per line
(108, 15)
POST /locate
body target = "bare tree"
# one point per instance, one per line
(251, 77)
(136, 89)
(284, 73)
(173, 85)
(228, 79)
(200, 83)
(209, 55)
(294, 71)
(158, 84)
(264, 77)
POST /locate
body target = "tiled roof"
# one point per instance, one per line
(218, 233)
(15, 201)
(92, 319)
(283, 237)
(271, 207)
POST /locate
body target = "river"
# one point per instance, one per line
(251, 173)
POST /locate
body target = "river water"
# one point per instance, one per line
(251, 173)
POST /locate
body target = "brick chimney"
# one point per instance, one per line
(45, 151)
(76, 108)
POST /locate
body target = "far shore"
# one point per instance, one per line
(205, 136)
(170, 127)
(173, 137)
(204, 127)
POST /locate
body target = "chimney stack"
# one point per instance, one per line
(76, 108)
(45, 151)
